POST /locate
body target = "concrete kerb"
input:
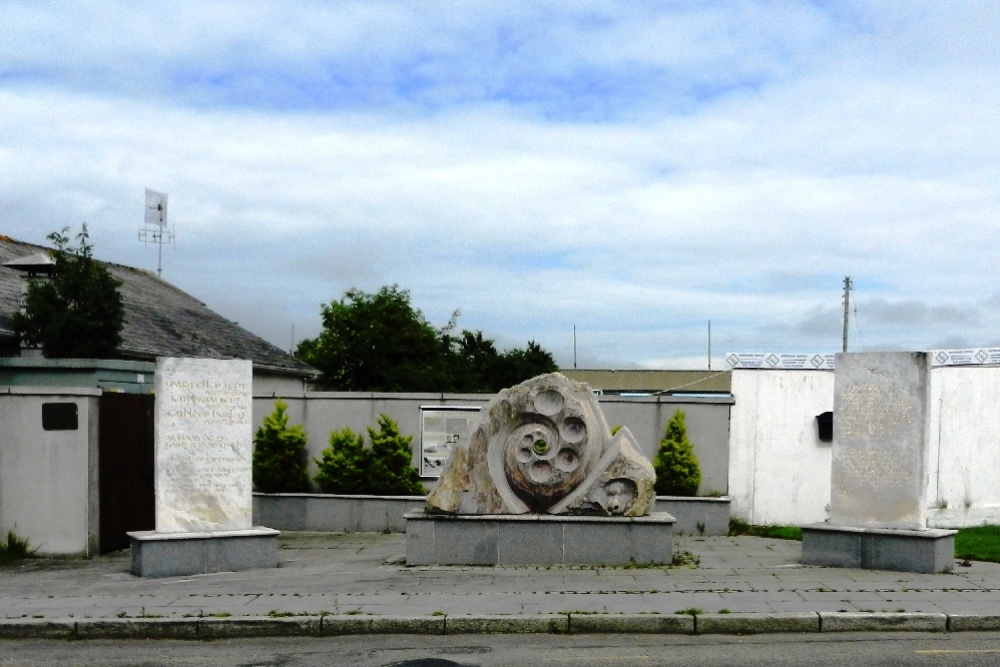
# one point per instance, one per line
(846, 621)
(573, 623)
(753, 624)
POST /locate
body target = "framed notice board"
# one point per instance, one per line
(441, 428)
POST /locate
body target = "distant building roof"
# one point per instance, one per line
(160, 320)
(653, 381)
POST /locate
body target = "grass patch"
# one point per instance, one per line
(14, 548)
(979, 543)
(739, 527)
(689, 611)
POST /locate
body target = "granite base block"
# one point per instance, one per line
(179, 554)
(334, 513)
(696, 515)
(925, 551)
(433, 539)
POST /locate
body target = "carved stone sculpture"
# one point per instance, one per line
(544, 446)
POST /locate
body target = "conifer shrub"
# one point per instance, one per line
(384, 469)
(392, 472)
(676, 466)
(279, 455)
(345, 466)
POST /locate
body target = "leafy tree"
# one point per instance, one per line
(77, 312)
(348, 467)
(380, 342)
(376, 342)
(279, 455)
(392, 472)
(346, 464)
(676, 466)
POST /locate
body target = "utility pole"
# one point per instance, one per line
(847, 307)
(710, 345)
(574, 347)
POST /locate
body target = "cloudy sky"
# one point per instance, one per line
(633, 169)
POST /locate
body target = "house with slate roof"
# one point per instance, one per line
(160, 321)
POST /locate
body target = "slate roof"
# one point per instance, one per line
(160, 320)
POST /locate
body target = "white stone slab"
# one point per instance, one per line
(204, 445)
(880, 440)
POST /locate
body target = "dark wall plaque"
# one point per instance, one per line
(60, 417)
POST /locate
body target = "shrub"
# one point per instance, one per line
(346, 464)
(393, 473)
(279, 455)
(676, 466)
(384, 469)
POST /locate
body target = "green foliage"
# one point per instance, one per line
(14, 548)
(380, 342)
(392, 473)
(279, 455)
(384, 469)
(979, 543)
(740, 527)
(676, 466)
(346, 464)
(77, 312)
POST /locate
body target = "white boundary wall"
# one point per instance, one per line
(48, 479)
(779, 471)
(963, 486)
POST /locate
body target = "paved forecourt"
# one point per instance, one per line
(337, 583)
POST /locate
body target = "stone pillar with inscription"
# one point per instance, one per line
(203, 473)
(879, 469)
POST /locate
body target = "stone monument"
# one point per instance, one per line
(538, 478)
(879, 469)
(203, 473)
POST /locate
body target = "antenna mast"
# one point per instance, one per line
(847, 307)
(156, 230)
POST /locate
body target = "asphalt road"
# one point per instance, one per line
(847, 650)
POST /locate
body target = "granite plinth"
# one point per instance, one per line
(505, 539)
(696, 515)
(177, 554)
(926, 551)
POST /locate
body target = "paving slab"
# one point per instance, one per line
(360, 583)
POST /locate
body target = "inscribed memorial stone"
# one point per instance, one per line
(880, 440)
(204, 442)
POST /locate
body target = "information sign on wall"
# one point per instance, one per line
(441, 428)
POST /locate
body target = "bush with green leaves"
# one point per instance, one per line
(676, 466)
(384, 469)
(393, 473)
(345, 466)
(279, 455)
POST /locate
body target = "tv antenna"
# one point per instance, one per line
(156, 230)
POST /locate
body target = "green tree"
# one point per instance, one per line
(376, 342)
(345, 466)
(279, 455)
(77, 312)
(392, 473)
(380, 342)
(384, 469)
(676, 466)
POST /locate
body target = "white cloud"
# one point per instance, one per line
(634, 171)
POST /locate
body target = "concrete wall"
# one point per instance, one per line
(779, 471)
(48, 479)
(321, 413)
(964, 456)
